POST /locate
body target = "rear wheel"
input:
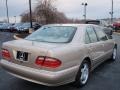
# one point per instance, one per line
(83, 74)
(114, 54)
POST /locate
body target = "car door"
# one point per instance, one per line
(108, 43)
(95, 47)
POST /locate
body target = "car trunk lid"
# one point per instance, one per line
(25, 52)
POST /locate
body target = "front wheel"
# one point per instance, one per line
(83, 74)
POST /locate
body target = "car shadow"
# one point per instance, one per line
(102, 66)
(32, 86)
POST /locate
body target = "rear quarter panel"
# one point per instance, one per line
(108, 47)
(71, 55)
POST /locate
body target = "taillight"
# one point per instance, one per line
(48, 62)
(6, 54)
(51, 62)
(39, 60)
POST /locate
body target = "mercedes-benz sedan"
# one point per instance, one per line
(58, 54)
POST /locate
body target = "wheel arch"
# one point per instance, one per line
(88, 60)
(115, 45)
(76, 83)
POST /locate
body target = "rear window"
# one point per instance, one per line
(101, 35)
(53, 34)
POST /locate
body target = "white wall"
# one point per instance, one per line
(11, 19)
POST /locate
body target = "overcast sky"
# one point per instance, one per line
(72, 8)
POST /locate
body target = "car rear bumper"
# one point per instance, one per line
(43, 77)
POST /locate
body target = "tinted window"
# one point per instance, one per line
(101, 35)
(92, 34)
(53, 34)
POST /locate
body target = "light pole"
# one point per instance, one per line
(15, 18)
(112, 12)
(85, 7)
(7, 11)
(30, 13)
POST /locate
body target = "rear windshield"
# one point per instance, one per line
(26, 25)
(18, 24)
(53, 34)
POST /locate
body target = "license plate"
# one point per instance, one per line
(22, 56)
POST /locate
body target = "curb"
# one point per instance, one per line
(17, 38)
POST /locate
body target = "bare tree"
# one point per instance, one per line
(46, 13)
(26, 17)
(46, 10)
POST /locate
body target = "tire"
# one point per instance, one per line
(114, 54)
(83, 74)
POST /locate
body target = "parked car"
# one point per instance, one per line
(36, 26)
(97, 22)
(1, 25)
(15, 27)
(109, 32)
(116, 26)
(6, 27)
(25, 27)
(58, 54)
(107, 28)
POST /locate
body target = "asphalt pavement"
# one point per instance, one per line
(105, 77)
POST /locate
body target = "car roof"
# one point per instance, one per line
(74, 25)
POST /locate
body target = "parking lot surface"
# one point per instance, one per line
(105, 77)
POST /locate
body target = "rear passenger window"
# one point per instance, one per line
(87, 39)
(101, 35)
(92, 35)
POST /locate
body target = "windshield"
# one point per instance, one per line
(53, 34)
(6, 25)
(18, 24)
